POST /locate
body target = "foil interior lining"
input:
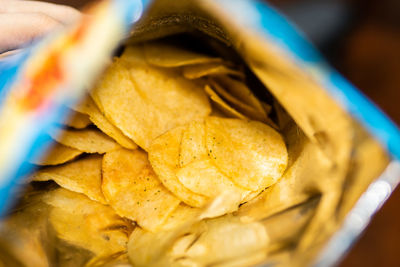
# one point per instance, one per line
(332, 158)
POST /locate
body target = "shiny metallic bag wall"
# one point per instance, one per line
(342, 150)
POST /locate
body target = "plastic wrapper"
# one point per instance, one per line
(342, 154)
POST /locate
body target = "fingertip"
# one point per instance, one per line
(19, 29)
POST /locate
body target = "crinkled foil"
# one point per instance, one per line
(332, 158)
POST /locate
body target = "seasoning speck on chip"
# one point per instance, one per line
(134, 191)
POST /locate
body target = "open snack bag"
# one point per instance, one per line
(213, 134)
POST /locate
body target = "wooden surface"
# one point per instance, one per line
(369, 56)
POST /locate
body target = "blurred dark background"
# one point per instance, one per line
(361, 38)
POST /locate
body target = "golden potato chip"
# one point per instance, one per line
(133, 190)
(250, 153)
(89, 107)
(181, 215)
(205, 179)
(242, 107)
(134, 54)
(207, 69)
(86, 223)
(180, 246)
(119, 259)
(201, 175)
(240, 91)
(81, 176)
(165, 55)
(250, 259)
(77, 120)
(193, 144)
(197, 172)
(225, 239)
(58, 154)
(27, 235)
(31, 238)
(205, 243)
(86, 140)
(222, 105)
(163, 248)
(167, 91)
(223, 203)
(164, 158)
(24, 231)
(144, 102)
(148, 249)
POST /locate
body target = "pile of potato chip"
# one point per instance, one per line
(164, 149)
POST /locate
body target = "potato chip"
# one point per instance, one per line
(165, 248)
(242, 107)
(222, 105)
(193, 144)
(257, 152)
(134, 54)
(240, 91)
(58, 154)
(77, 120)
(133, 190)
(81, 176)
(86, 223)
(250, 259)
(86, 140)
(145, 102)
(207, 69)
(148, 249)
(89, 107)
(182, 243)
(203, 178)
(198, 173)
(24, 232)
(181, 215)
(205, 243)
(119, 259)
(165, 55)
(227, 238)
(193, 167)
(164, 158)
(201, 175)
